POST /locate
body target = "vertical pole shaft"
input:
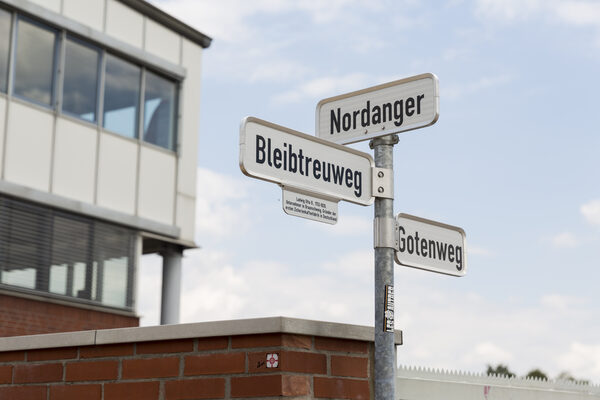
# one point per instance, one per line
(385, 355)
(171, 285)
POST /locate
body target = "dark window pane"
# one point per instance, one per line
(159, 111)
(4, 48)
(121, 96)
(81, 80)
(34, 68)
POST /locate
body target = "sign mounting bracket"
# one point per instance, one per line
(383, 183)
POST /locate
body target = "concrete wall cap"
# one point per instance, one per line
(194, 330)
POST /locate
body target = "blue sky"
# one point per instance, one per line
(513, 160)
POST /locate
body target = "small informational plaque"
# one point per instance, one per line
(388, 309)
(310, 207)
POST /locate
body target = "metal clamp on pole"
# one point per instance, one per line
(383, 183)
(385, 233)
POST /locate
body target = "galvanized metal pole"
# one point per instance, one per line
(385, 355)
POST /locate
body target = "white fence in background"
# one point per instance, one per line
(425, 384)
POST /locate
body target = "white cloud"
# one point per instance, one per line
(485, 351)
(220, 209)
(591, 211)
(323, 87)
(509, 10)
(561, 303)
(349, 225)
(565, 240)
(581, 360)
(455, 91)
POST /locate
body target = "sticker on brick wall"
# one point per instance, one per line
(388, 309)
(272, 360)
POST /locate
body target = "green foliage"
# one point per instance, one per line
(536, 374)
(500, 369)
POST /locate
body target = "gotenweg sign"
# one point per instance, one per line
(430, 245)
(381, 110)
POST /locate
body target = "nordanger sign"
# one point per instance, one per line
(430, 245)
(305, 163)
(381, 110)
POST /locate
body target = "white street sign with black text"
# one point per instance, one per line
(381, 110)
(306, 163)
(430, 245)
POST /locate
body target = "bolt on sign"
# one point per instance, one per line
(381, 110)
(430, 245)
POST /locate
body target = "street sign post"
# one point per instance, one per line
(430, 245)
(393, 107)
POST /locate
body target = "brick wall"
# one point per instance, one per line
(23, 316)
(259, 365)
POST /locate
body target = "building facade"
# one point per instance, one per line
(99, 105)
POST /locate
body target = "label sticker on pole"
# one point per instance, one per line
(388, 309)
(381, 110)
(431, 245)
(305, 163)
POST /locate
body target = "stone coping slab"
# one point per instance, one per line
(193, 330)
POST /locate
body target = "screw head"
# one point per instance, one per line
(380, 174)
(380, 189)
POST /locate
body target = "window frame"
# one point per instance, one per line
(55, 60)
(99, 75)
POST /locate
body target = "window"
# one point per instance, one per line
(121, 96)
(34, 64)
(81, 80)
(59, 253)
(95, 86)
(159, 111)
(4, 49)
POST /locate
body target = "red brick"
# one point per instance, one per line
(338, 388)
(92, 371)
(270, 385)
(12, 356)
(150, 368)
(289, 361)
(340, 345)
(52, 354)
(297, 341)
(32, 373)
(6, 374)
(23, 392)
(76, 392)
(262, 340)
(207, 388)
(107, 350)
(216, 343)
(356, 367)
(214, 364)
(165, 346)
(131, 390)
(255, 386)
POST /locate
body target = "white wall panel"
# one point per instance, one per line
(162, 42)
(124, 24)
(2, 123)
(53, 5)
(87, 12)
(186, 216)
(74, 160)
(28, 146)
(190, 123)
(156, 195)
(117, 169)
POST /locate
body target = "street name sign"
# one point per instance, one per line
(305, 163)
(381, 110)
(309, 207)
(430, 245)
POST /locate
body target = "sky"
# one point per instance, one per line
(513, 160)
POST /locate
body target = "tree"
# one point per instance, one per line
(536, 374)
(565, 376)
(500, 369)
